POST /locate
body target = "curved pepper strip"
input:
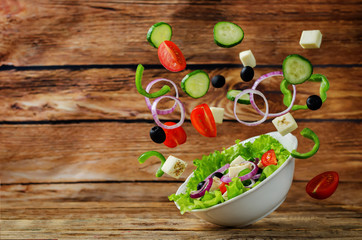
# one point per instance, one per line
(149, 154)
(306, 132)
(139, 73)
(314, 78)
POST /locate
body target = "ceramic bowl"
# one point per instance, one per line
(258, 202)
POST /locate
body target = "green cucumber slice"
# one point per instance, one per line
(231, 94)
(297, 69)
(227, 34)
(158, 33)
(196, 83)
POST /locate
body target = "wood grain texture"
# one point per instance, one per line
(109, 151)
(103, 32)
(107, 93)
(89, 210)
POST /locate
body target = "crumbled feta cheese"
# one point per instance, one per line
(218, 114)
(215, 184)
(285, 124)
(234, 171)
(311, 39)
(247, 58)
(237, 161)
(174, 166)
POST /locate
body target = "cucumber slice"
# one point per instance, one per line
(196, 83)
(231, 94)
(158, 33)
(227, 34)
(297, 69)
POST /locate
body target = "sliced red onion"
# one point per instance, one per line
(250, 91)
(256, 83)
(227, 179)
(251, 174)
(251, 184)
(148, 102)
(256, 176)
(222, 169)
(206, 187)
(155, 116)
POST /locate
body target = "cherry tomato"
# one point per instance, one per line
(171, 56)
(203, 120)
(323, 185)
(269, 158)
(222, 187)
(174, 137)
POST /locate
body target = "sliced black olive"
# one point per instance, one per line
(218, 81)
(157, 134)
(217, 174)
(314, 102)
(247, 74)
(200, 185)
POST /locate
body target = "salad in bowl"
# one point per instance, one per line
(228, 199)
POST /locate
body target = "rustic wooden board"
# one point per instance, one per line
(102, 32)
(107, 93)
(85, 210)
(109, 151)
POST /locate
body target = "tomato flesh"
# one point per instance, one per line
(171, 56)
(203, 120)
(174, 137)
(323, 185)
(269, 158)
(223, 188)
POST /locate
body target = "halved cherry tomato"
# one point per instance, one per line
(203, 120)
(174, 137)
(222, 187)
(323, 185)
(269, 158)
(171, 56)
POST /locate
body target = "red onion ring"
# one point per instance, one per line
(227, 179)
(148, 102)
(256, 83)
(222, 169)
(251, 184)
(256, 176)
(155, 116)
(250, 91)
(206, 187)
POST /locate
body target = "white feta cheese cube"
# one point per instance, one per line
(225, 196)
(311, 39)
(260, 165)
(237, 161)
(174, 166)
(215, 184)
(218, 114)
(247, 58)
(285, 124)
(234, 171)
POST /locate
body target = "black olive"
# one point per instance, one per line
(200, 185)
(217, 174)
(247, 74)
(314, 102)
(157, 134)
(218, 81)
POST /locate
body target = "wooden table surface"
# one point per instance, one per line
(73, 124)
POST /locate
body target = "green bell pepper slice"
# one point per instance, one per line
(306, 132)
(314, 78)
(139, 73)
(149, 154)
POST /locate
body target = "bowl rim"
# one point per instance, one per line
(290, 158)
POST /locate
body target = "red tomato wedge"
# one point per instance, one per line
(203, 120)
(269, 158)
(174, 137)
(171, 56)
(323, 185)
(223, 188)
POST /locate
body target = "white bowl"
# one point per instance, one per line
(258, 202)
